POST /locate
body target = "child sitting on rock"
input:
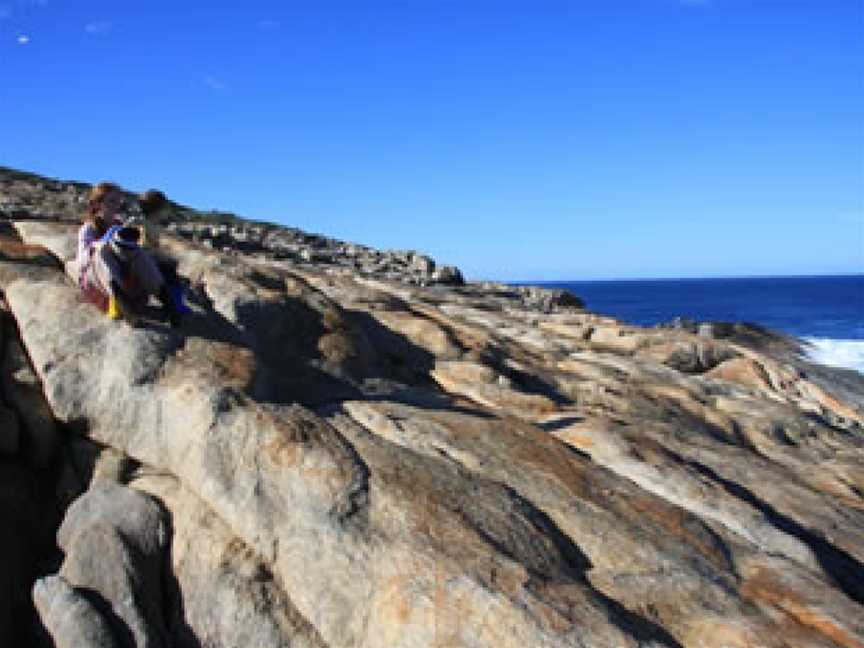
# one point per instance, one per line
(155, 209)
(104, 208)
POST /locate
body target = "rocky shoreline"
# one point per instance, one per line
(339, 449)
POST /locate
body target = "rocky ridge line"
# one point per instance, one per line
(24, 195)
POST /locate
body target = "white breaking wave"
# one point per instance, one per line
(836, 353)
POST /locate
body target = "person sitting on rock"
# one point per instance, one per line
(155, 208)
(105, 206)
(104, 209)
(120, 277)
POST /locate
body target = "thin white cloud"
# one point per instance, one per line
(269, 25)
(98, 27)
(23, 39)
(213, 83)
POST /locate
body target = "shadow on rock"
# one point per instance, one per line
(643, 630)
(121, 631)
(843, 569)
(180, 633)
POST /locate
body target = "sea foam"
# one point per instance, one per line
(848, 354)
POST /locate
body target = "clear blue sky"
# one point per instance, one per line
(523, 140)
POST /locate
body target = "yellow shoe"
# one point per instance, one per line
(114, 309)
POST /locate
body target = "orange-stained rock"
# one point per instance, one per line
(742, 371)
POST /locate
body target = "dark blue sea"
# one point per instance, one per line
(827, 312)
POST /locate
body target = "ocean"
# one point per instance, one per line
(826, 311)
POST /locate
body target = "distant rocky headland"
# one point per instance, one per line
(343, 447)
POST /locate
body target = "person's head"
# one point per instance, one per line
(152, 202)
(105, 201)
(124, 242)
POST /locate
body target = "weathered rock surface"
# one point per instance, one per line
(23, 391)
(115, 540)
(74, 621)
(225, 593)
(348, 461)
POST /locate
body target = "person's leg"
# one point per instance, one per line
(168, 267)
(153, 282)
(146, 274)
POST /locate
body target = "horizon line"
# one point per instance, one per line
(678, 278)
